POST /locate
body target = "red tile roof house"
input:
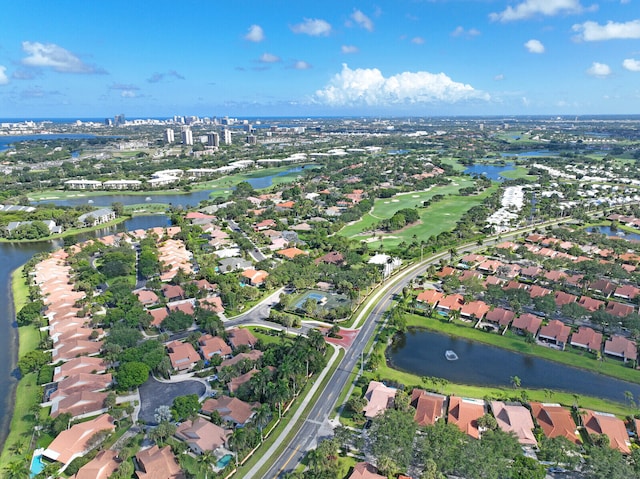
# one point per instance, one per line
(530, 273)
(212, 345)
(609, 425)
(202, 435)
(430, 296)
(253, 355)
(590, 304)
(527, 322)
(212, 304)
(452, 302)
(183, 356)
(333, 257)
(556, 332)
(364, 470)
(158, 316)
(465, 413)
(81, 382)
(379, 398)
(515, 418)
(626, 291)
(555, 421)
(74, 348)
(562, 298)
(500, 316)
(555, 276)
(83, 364)
(230, 409)
(146, 297)
(156, 463)
(264, 225)
(100, 467)
(429, 407)
(235, 383)
(603, 287)
(255, 277)
(474, 310)
(446, 271)
(80, 404)
(618, 309)
(241, 337)
(489, 266)
(587, 338)
(538, 291)
(172, 292)
(76, 441)
(621, 347)
(291, 253)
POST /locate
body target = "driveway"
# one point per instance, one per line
(153, 394)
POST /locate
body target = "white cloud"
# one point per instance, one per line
(534, 46)
(362, 20)
(50, 55)
(126, 90)
(631, 64)
(367, 86)
(349, 49)
(417, 40)
(593, 32)
(461, 32)
(531, 8)
(269, 58)
(158, 77)
(301, 65)
(255, 34)
(4, 79)
(312, 26)
(600, 70)
(498, 77)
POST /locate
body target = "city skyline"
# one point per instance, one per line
(284, 58)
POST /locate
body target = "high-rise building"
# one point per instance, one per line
(108, 122)
(119, 119)
(169, 136)
(227, 137)
(252, 140)
(213, 139)
(187, 136)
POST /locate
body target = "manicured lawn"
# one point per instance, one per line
(517, 173)
(438, 217)
(267, 336)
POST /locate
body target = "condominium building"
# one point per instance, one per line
(187, 136)
(169, 136)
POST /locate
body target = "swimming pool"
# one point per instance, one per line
(224, 461)
(37, 466)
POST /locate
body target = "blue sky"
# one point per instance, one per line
(71, 58)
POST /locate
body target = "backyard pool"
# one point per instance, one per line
(37, 466)
(224, 461)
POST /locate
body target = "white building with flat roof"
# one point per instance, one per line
(122, 184)
(83, 184)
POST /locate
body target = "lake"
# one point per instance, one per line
(12, 256)
(422, 353)
(184, 199)
(606, 230)
(6, 140)
(493, 172)
(532, 154)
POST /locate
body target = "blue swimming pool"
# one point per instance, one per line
(224, 461)
(37, 466)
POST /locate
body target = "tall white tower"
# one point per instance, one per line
(227, 137)
(187, 136)
(169, 136)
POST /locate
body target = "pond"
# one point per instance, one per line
(493, 172)
(528, 154)
(14, 255)
(184, 199)
(607, 230)
(422, 353)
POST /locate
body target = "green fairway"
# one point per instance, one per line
(517, 173)
(440, 216)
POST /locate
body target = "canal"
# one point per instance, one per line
(12, 256)
(422, 353)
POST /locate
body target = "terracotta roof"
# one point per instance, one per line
(470, 274)
(590, 304)
(538, 291)
(514, 418)
(610, 426)
(252, 355)
(555, 275)
(430, 296)
(446, 271)
(146, 297)
(82, 382)
(183, 355)
(555, 330)
(501, 316)
(464, 413)
(429, 406)
(80, 404)
(158, 315)
(156, 463)
(100, 467)
(83, 364)
(618, 309)
(230, 409)
(211, 345)
(489, 265)
(291, 252)
(563, 298)
(621, 347)
(531, 271)
(74, 441)
(527, 322)
(212, 304)
(171, 291)
(185, 306)
(587, 338)
(474, 308)
(201, 435)
(626, 291)
(333, 257)
(74, 348)
(241, 337)
(364, 470)
(451, 302)
(555, 421)
(602, 286)
(235, 383)
(256, 277)
(379, 398)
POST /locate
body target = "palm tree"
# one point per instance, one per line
(261, 418)
(18, 469)
(515, 382)
(205, 461)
